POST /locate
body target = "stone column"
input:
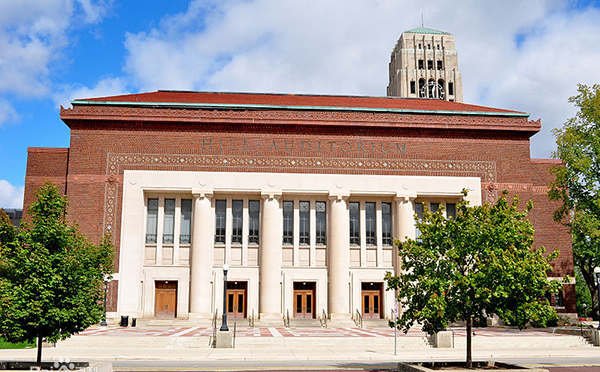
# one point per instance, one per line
(270, 257)
(404, 227)
(338, 265)
(201, 255)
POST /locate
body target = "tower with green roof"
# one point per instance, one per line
(424, 64)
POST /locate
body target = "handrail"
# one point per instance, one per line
(251, 320)
(286, 319)
(358, 320)
(323, 319)
(212, 341)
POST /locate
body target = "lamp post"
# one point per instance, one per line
(103, 323)
(224, 323)
(597, 275)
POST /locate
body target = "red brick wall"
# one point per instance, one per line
(45, 164)
(162, 146)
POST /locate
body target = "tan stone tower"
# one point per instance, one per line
(424, 64)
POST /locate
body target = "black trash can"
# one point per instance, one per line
(124, 320)
(133, 322)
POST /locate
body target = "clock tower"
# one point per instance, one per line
(424, 64)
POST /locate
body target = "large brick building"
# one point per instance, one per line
(300, 194)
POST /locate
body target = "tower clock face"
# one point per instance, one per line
(432, 90)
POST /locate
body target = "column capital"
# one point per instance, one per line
(270, 195)
(405, 197)
(338, 196)
(202, 193)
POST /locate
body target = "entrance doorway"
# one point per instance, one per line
(236, 299)
(304, 300)
(165, 299)
(371, 300)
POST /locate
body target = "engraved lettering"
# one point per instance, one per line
(204, 144)
(387, 146)
(346, 143)
(273, 145)
(286, 146)
(221, 144)
(305, 149)
(360, 147)
(401, 149)
(231, 144)
(246, 148)
(331, 143)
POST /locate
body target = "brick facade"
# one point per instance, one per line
(418, 139)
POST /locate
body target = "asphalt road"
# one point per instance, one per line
(552, 364)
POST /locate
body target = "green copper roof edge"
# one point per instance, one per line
(307, 108)
(426, 30)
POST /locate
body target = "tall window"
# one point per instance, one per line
(433, 207)
(386, 224)
(220, 211)
(450, 210)
(371, 238)
(288, 222)
(321, 223)
(152, 225)
(169, 226)
(253, 222)
(413, 87)
(429, 64)
(304, 223)
(439, 65)
(237, 208)
(419, 213)
(451, 89)
(186, 221)
(421, 64)
(354, 224)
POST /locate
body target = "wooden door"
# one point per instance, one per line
(166, 299)
(236, 299)
(304, 300)
(371, 300)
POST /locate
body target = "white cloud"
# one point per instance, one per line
(33, 34)
(11, 196)
(105, 87)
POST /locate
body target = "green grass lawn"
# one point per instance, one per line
(21, 345)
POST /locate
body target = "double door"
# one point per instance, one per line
(165, 305)
(304, 300)
(371, 300)
(236, 299)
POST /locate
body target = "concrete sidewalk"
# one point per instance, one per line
(138, 345)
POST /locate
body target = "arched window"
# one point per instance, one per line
(422, 91)
(431, 88)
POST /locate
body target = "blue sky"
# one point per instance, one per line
(521, 55)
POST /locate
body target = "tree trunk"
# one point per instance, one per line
(469, 355)
(39, 353)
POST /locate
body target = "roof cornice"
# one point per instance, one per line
(229, 106)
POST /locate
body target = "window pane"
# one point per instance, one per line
(419, 213)
(152, 221)
(220, 208)
(434, 207)
(354, 224)
(450, 210)
(386, 224)
(288, 222)
(370, 224)
(321, 223)
(186, 220)
(304, 223)
(237, 207)
(253, 223)
(169, 221)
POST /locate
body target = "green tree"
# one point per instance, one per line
(51, 277)
(478, 263)
(577, 183)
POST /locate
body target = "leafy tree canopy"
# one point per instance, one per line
(478, 263)
(51, 277)
(577, 183)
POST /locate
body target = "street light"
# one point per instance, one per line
(597, 275)
(224, 324)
